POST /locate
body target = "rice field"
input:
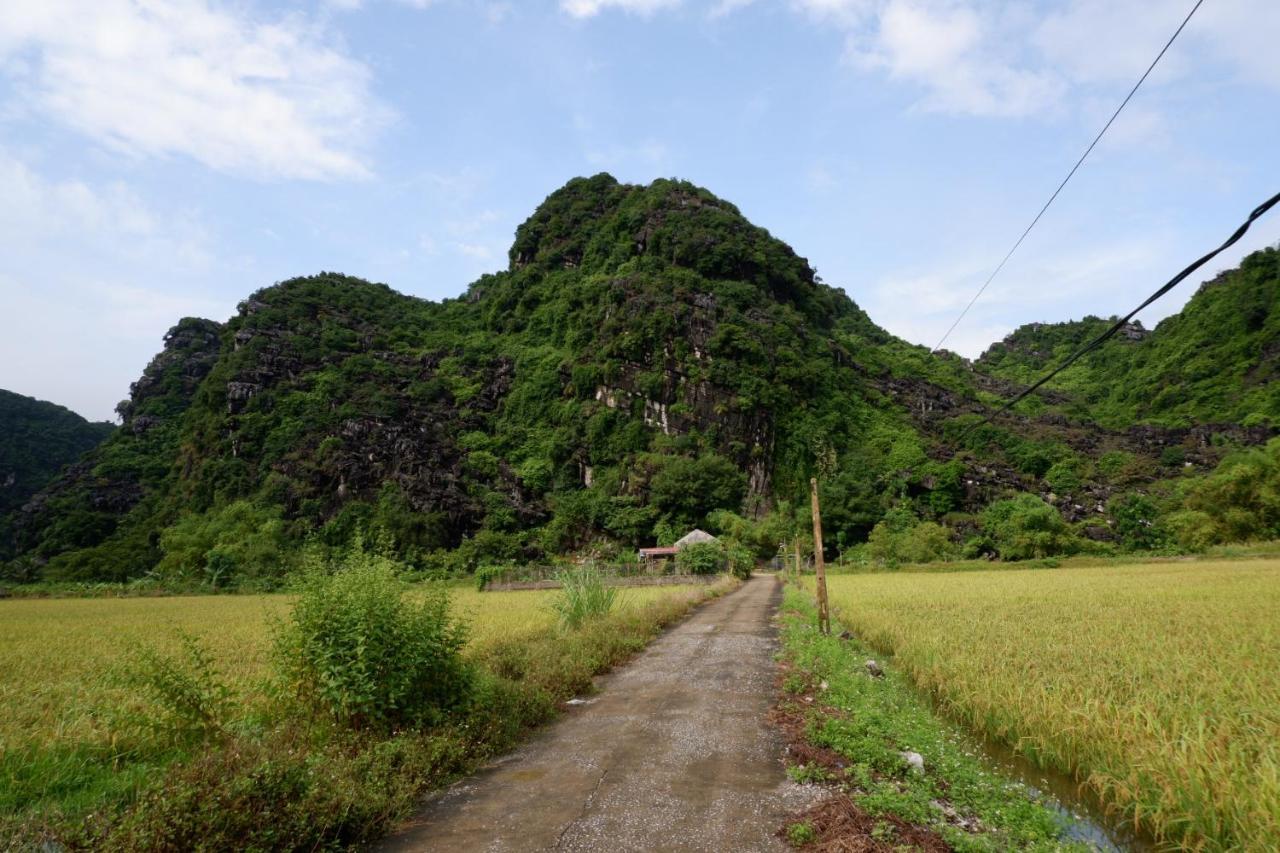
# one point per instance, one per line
(1158, 685)
(58, 656)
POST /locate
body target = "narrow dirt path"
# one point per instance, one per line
(674, 753)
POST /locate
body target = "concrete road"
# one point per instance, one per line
(674, 753)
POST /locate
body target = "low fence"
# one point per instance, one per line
(548, 581)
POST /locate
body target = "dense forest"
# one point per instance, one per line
(651, 361)
(39, 439)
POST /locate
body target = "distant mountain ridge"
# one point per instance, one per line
(37, 439)
(1216, 360)
(648, 358)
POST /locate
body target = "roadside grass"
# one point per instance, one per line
(72, 767)
(1156, 685)
(857, 729)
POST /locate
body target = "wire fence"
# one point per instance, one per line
(545, 578)
(644, 573)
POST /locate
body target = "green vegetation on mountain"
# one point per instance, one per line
(650, 361)
(1216, 361)
(39, 438)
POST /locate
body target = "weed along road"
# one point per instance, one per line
(674, 753)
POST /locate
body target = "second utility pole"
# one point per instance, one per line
(820, 567)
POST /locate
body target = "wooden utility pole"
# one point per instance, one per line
(824, 619)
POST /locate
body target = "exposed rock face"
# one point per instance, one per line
(168, 383)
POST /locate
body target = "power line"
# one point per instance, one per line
(1070, 174)
(1119, 324)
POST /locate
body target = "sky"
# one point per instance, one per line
(166, 158)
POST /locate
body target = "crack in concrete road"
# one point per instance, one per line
(676, 754)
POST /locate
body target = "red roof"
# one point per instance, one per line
(658, 552)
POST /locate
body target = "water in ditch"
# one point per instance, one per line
(1084, 818)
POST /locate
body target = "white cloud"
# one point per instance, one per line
(728, 7)
(591, 8)
(989, 58)
(1109, 277)
(476, 251)
(271, 99)
(956, 53)
(81, 278)
(846, 13)
(107, 218)
(646, 156)
(1104, 41)
(1242, 33)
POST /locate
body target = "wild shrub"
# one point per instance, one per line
(187, 697)
(488, 574)
(1024, 527)
(1136, 521)
(1119, 467)
(1238, 502)
(583, 596)
(739, 559)
(358, 649)
(701, 558)
(900, 537)
(232, 545)
(1064, 477)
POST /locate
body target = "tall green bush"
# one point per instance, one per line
(233, 545)
(1024, 527)
(357, 648)
(900, 537)
(1136, 521)
(1238, 502)
(739, 559)
(701, 558)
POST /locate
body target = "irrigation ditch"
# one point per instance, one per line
(1083, 817)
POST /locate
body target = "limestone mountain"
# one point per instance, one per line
(648, 358)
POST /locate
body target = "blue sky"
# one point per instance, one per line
(162, 158)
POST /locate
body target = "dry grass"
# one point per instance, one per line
(57, 655)
(1159, 685)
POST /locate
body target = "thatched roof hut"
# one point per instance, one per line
(695, 537)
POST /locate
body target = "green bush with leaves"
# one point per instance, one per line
(1065, 476)
(357, 648)
(701, 558)
(233, 545)
(1025, 527)
(1238, 502)
(188, 701)
(738, 558)
(1136, 521)
(902, 538)
(686, 489)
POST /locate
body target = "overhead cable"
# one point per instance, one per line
(1071, 173)
(1092, 345)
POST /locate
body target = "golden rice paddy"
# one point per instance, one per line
(59, 657)
(1158, 685)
